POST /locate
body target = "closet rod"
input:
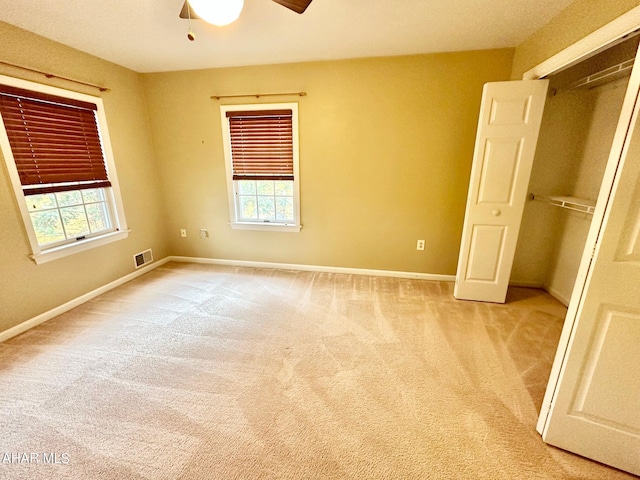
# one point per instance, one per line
(258, 95)
(51, 75)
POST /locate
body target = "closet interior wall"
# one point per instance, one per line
(577, 131)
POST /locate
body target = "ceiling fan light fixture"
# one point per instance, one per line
(217, 12)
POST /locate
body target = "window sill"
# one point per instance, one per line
(80, 246)
(269, 227)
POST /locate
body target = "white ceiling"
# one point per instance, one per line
(148, 35)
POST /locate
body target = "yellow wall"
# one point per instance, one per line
(385, 155)
(385, 143)
(27, 289)
(575, 22)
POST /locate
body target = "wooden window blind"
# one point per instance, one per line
(261, 144)
(55, 141)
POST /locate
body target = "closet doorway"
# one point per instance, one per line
(580, 235)
(578, 127)
(590, 145)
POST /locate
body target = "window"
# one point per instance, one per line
(261, 152)
(55, 145)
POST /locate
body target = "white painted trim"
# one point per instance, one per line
(82, 245)
(551, 291)
(265, 227)
(588, 46)
(59, 310)
(519, 284)
(54, 312)
(557, 295)
(316, 268)
(35, 321)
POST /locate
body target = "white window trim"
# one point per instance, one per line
(266, 226)
(226, 141)
(42, 254)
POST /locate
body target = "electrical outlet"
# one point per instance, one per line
(183, 232)
(204, 233)
(420, 245)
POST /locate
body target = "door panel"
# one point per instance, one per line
(510, 117)
(507, 110)
(487, 243)
(612, 348)
(594, 406)
(499, 170)
(629, 249)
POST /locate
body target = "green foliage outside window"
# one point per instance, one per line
(65, 215)
(266, 200)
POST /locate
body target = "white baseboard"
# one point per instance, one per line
(28, 324)
(317, 268)
(557, 295)
(517, 283)
(551, 291)
(54, 312)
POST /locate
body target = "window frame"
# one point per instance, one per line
(42, 254)
(232, 190)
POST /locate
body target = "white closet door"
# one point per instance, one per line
(510, 117)
(594, 389)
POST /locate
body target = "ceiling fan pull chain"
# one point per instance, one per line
(191, 36)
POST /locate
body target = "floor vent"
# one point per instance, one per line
(143, 258)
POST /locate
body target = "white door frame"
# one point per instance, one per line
(585, 48)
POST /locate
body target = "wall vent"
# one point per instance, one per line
(143, 258)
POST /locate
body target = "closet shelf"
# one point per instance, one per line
(604, 76)
(571, 203)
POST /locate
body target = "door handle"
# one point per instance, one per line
(496, 212)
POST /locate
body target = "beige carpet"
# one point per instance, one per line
(204, 372)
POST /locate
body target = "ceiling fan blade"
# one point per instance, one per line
(298, 6)
(184, 13)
